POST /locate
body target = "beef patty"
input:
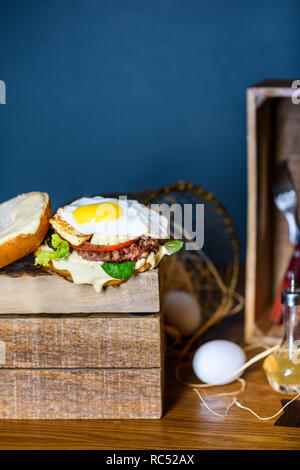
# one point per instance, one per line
(134, 252)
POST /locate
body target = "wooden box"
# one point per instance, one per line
(273, 124)
(65, 354)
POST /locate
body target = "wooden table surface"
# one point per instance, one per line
(186, 424)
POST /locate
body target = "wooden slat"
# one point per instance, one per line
(250, 287)
(27, 289)
(80, 393)
(131, 341)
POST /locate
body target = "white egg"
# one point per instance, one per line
(114, 217)
(217, 360)
(182, 311)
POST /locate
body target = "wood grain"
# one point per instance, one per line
(107, 366)
(80, 393)
(273, 135)
(106, 341)
(251, 260)
(29, 290)
(186, 424)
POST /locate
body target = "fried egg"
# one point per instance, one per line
(111, 221)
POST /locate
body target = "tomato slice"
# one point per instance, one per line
(87, 246)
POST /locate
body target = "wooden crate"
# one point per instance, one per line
(273, 123)
(69, 365)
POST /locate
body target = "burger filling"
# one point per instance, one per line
(96, 264)
(137, 250)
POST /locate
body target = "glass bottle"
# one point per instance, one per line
(282, 367)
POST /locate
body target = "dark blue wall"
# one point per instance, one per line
(131, 94)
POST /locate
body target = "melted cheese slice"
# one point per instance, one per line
(21, 215)
(84, 271)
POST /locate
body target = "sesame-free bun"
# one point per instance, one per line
(24, 222)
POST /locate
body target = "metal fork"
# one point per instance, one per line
(285, 198)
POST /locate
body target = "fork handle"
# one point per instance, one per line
(293, 268)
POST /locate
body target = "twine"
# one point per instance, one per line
(237, 403)
(251, 361)
(243, 386)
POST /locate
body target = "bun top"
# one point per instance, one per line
(22, 215)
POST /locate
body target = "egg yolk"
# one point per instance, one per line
(97, 213)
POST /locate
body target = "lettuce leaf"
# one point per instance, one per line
(43, 257)
(173, 246)
(61, 250)
(59, 245)
(119, 270)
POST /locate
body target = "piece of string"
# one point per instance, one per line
(255, 346)
(251, 361)
(242, 388)
(237, 403)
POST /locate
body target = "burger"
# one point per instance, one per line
(105, 241)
